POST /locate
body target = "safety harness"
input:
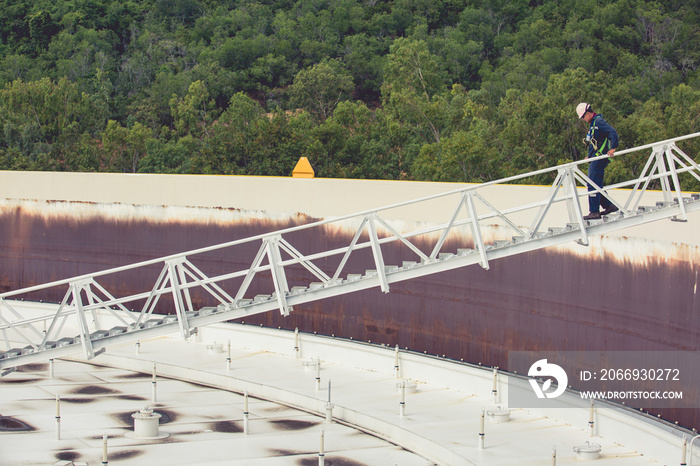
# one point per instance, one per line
(590, 139)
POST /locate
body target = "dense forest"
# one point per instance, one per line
(443, 90)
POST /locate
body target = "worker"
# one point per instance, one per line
(601, 139)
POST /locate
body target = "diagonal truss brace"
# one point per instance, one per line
(271, 249)
(467, 200)
(177, 276)
(369, 223)
(305, 262)
(585, 180)
(19, 327)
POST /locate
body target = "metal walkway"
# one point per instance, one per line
(32, 335)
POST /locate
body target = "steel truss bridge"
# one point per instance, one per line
(32, 332)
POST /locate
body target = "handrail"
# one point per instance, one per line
(342, 218)
(690, 447)
(179, 274)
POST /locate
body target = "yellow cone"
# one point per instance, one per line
(303, 169)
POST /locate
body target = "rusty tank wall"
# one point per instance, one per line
(628, 293)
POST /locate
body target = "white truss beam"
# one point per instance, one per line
(93, 309)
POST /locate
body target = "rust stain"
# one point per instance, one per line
(629, 296)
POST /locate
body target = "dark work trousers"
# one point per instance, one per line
(596, 172)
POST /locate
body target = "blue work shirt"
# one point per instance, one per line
(604, 134)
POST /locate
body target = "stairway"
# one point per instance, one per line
(98, 319)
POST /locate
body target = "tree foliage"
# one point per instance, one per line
(424, 90)
(320, 88)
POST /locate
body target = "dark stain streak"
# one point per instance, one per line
(99, 437)
(93, 390)
(125, 454)
(131, 397)
(136, 375)
(292, 424)
(274, 408)
(10, 424)
(17, 381)
(226, 426)
(279, 452)
(37, 367)
(199, 385)
(184, 432)
(79, 400)
(166, 416)
(67, 455)
(125, 418)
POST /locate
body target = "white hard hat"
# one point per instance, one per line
(581, 109)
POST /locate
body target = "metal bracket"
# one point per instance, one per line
(278, 275)
(180, 310)
(377, 253)
(476, 231)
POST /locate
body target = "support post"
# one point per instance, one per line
(245, 413)
(105, 461)
(296, 342)
(494, 390)
(318, 374)
(228, 359)
(321, 455)
(58, 417)
(482, 434)
(396, 362)
(153, 384)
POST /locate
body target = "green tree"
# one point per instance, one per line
(195, 113)
(365, 57)
(683, 117)
(469, 153)
(413, 87)
(14, 67)
(83, 154)
(319, 89)
(41, 30)
(123, 147)
(540, 128)
(233, 139)
(41, 118)
(683, 111)
(644, 126)
(169, 157)
(81, 55)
